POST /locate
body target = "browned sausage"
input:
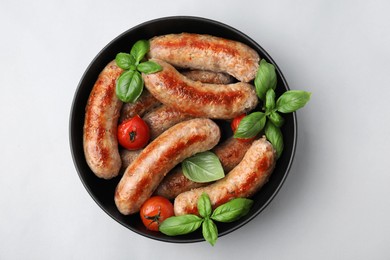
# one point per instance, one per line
(206, 76)
(243, 181)
(141, 106)
(158, 120)
(127, 157)
(143, 176)
(199, 99)
(206, 52)
(230, 153)
(100, 125)
(162, 118)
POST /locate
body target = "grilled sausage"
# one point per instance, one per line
(162, 118)
(199, 99)
(158, 120)
(206, 76)
(127, 157)
(243, 181)
(100, 126)
(143, 176)
(206, 52)
(230, 153)
(141, 106)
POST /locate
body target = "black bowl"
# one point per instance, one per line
(102, 191)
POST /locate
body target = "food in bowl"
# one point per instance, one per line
(179, 117)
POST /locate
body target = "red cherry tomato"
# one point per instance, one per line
(134, 133)
(234, 125)
(154, 211)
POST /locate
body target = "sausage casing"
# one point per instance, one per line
(243, 181)
(141, 106)
(206, 52)
(160, 118)
(100, 126)
(145, 173)
(230, 154)
(200, 99)
(206, 76)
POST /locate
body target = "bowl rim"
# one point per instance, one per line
(189, 18)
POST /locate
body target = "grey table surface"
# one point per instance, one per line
(335, 203)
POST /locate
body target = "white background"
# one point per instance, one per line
(335, 203)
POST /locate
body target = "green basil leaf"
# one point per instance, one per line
(270, 100)
(265, 78)
(292, 100)
(275, 136)
(232, 210)
(210, 231)
(124, 60)
(129, 86)
(203, 167)
(149, 67)
(204, 205)
(180, 225)
(139, 49)
(250, 125)
(276, 118)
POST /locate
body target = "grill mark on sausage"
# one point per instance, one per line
(206, 52)
(173, 152)
(170, 81)
(243, 181)
(140, 107)
(159, 157)
(230, 153)
(194, 41)
(101, 117)
(200, 99)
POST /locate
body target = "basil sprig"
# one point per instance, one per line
(228, 212)
(203, 167)
(270, 119)
(130, 84)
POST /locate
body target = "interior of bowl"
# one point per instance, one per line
(102, 191)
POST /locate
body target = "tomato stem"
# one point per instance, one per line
(155, 218)
(132, 135)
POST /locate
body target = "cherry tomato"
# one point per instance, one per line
(154, 211)
(134, 133)
(234, 125)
